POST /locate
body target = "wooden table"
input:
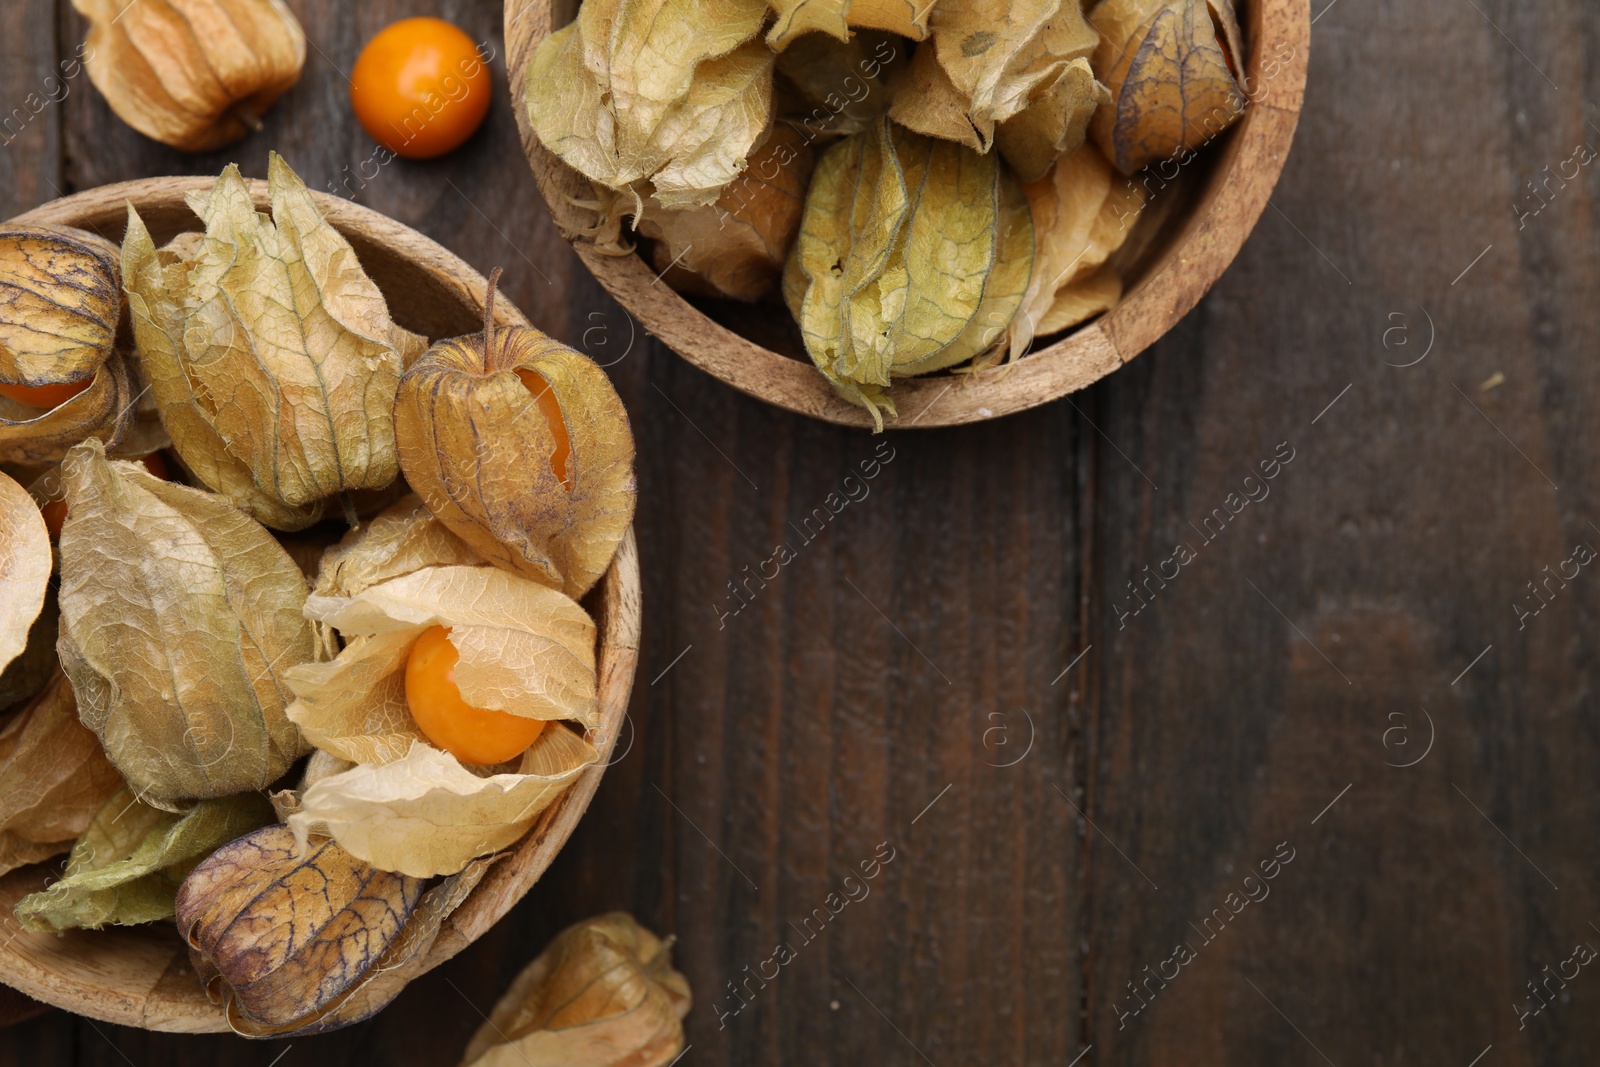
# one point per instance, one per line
(1346, 682)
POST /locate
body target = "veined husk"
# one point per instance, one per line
(426, 814)
(1083, 210)
(524, 649)
(39, 437)
(475, 444)
(737, 246)
(829, 88)
(60, 303)
(301, 940)
(913, 257)
(25, 565)
(1013, 73)
(402, 539)
(1170, 67)
(662, 96)
(194, 74)
(53, 777)
(126, 867)
(179, 617)
(270, 352)
(907, 18)
(602, 994)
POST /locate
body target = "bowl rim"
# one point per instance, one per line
(1255, 148)
(148, 982)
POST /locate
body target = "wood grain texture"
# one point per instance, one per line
(1229, 189)
(798, 734)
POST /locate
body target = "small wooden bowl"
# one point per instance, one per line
(140, 975)
(1188, 250)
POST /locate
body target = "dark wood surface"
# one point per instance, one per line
(973, 610)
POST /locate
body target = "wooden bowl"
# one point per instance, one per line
(140, 975)
(1222, 195)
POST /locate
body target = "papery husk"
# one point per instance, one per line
(671, 94)
(60, 303)
(914, 225)
(406, 957)
(127, 866)
(829, 88)
(177, 654)
(271, 353)
(143, 433)
(737, 246)
(402, 539)
(905, 18)
(39, 437)
(25, 676)
(279, 932)
(1083, 211)
(476, 446)
(1055, 122)
(602, 994)
(426, 814)
(194, 74)
(25, 565)
(524, 649)
(1167, 64)
(992, 63)
(53, 777)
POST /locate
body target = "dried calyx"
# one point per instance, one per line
(194, 74)
(61, 379)
(271, 354)
(522, 448)
(177, 658)
(1170, 66)
(913, 256)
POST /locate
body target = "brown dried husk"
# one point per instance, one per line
(39, 437)
(737, 246)
(177, 656)
(60, 303)
(194, 74)
(293, 939)
(829, 88)
(795, 18)
(271, 353)
(603, 993)
(476, 446)
(1083, 211)
(662, 96)
(1012, 73)
(1170, 67)
(53, 777)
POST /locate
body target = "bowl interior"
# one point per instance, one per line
(1198, 218)
(141, 976)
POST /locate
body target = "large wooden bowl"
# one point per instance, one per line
(140, 976)
(1217, 202)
